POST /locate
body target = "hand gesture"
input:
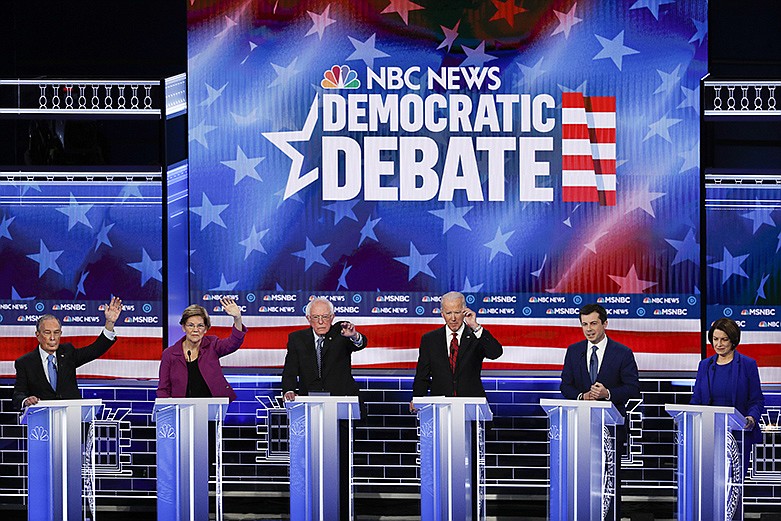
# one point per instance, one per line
(348, 329)
(471, 319)
(231, 308)
(112, 312)
(598, 392)
(750, 422)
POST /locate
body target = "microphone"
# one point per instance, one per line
(188, 376)
(188, 356)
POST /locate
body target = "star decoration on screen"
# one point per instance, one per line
(614, 49)
(320, 22)
(402, 7)
(5, 230)
(691, 158)
(506, 10)
(566, 21)
(761, 288)
(686, 250)
(342, 282)
(312, 254)
(592, 244)
(80, 285)
(243, 166)
(252, 242)
(499, 243)
(631, 283)
(366, 51)
(367, 232)
(47, 260)
(210, 213)
(661, 128)
(701, 31)
(102, 237)
(452, 216)
(417, 262)
(224, 284)
(691, 98)
(150, 269)
(641, 199)
(342, 210)
(471, 288)
(669, 80)
(212, 94)
(198, 133)
(476, 57)
(450, 36)
(285, 74)
(652, 5)
(530, 74)
(758, 217)
(77, 213)
(730, 265)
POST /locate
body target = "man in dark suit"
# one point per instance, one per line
(450, 358)
(599, 368)
(319, 359)
(49, 371)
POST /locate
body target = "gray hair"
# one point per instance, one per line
(46, 317)
(319, 299)
(453, 295)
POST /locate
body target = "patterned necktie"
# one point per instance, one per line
(593, 368)
(319, 349)
(52, 372)
(453, 353)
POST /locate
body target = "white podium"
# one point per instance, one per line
(447, 458)
(583, 459)
(314, 456)
(710, 462)
(183, 457)
(54, 458)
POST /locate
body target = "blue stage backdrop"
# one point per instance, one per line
(534, 155)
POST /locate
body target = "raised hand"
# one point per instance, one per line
(348, 329)
(112, 312)
(231, 308)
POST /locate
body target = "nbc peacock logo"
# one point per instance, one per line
(340, 77)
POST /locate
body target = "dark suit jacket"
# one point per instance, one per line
(433, 370)
(746, 391)
(31, 380)
(618, 373)
(300, 371)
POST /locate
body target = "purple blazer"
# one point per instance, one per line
(173, 366)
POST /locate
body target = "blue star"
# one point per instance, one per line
(652, 5)
(779, 242)
(80, 285)
(224, 284)
(669, 80)
(536, 273)
(366, 51)
(476, 57)
(150, 269)
(312, 254)
(417, 262)
(102, 237)
(343, 277)
(687, 249)
(243, 166)
(4, 231)
(252, 243)
(761, 289)
(212, 94)
(702, 31)
(26, 187)
(452, 216)
(210, 213)
(341, 210)
(199, 132)
(16, 296)
(530, 74)
(661, 128)
(77, 213)
(469, 288)
(368, 229)
(129, 191)
(691, 98)
(730, 265)
(499, 243)
(47, 260)
(614, 49)
(759, 217)
(691, 158)
(284, 74)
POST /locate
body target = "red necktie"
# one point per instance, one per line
(453, 353)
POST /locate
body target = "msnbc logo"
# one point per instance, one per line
(340, 78)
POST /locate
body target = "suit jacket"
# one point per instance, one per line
(173, 366)
(746, 391)
(31, 380)
(433, 370)
(618, 373)
(300, 371)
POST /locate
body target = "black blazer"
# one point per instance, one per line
(31, 380)
(300, 371)
(433, 370)
(618, 373)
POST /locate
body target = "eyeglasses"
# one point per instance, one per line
(320, 318)
(192, 327)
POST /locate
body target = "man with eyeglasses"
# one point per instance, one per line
(49, 371)
(450, 358)
(319, 358)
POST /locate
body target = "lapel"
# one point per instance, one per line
(467, 339)
(42, 372)
(581, 355)
(607, 361)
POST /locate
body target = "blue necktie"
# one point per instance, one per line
(319, 349)
(593, 368)
(52, 372)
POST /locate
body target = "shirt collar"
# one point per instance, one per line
(601, 345)
(459, 332)
(45, 356)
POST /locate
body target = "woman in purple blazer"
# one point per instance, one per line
(730, 379)
(191, 367)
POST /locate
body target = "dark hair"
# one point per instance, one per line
(728, 326)
(195, 311)
(590, 308)
(46, 317)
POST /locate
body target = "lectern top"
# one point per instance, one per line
(66, 403)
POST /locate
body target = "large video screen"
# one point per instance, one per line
(535, 155)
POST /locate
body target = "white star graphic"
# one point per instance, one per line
(243, 166)
(312, 254)
(566, 21)
(417, 262)
(642, 199)
(210, 213)
(614, 49)
(669, 80)
(212, 94)
(102, 237)
(402, 7)
(450, 36)
(691, 158)
(252, 243)
(199, 133)
(224, 284)
(77, 213)
(592, 245)
(367, 232)
(342, 282)
(4, 227)
(702, 31)
(652, 5)
(530, 74)
(282, 140)
(470, 288)
(686, 250)
(284, 74)
(661, 128)
(150, 269)
(366, 51)
(691, 98)
(341, 210)
(476, 57)
(631, 283)
(499, 243)
(452, 216)
(730, 266)
(320, 22)
(47, 260)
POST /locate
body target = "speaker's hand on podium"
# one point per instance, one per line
(290, 396)
(32, 400)
(750, 422)
(412, 408)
